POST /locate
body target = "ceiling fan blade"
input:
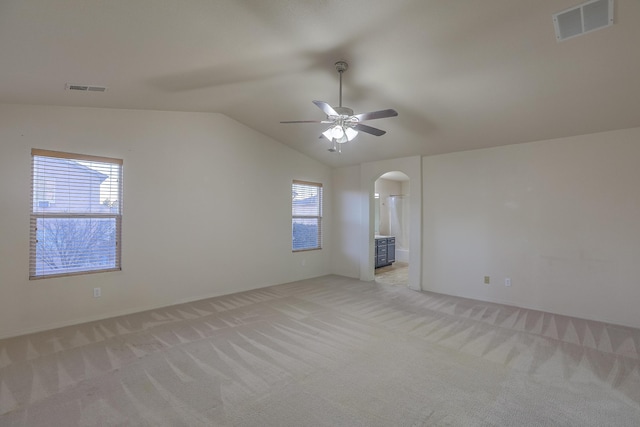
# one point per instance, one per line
(307, 121)
(328, 109)
(369, 129)
(376, 115)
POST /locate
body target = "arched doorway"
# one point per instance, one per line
(369, 173)
(392, 193)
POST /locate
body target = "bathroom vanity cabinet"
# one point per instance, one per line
(385, 251)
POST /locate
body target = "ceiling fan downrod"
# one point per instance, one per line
(341, 67)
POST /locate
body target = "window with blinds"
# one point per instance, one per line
(306, 208)
(76, 214)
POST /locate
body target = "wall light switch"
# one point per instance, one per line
(507, 281)
(487, 280)
(97, 292)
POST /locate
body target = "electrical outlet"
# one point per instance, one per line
(97, 292)
(507, 281)
(487, 280)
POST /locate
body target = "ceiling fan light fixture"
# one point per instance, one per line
(345, 126)
(337, 132)
(340, 134)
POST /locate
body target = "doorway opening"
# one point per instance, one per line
(391, 229)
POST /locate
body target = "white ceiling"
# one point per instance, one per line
(461, 74)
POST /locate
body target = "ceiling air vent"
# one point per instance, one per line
(584, 18)
(85, 88)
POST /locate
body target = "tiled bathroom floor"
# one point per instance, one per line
(396, 274)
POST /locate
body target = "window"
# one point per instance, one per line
(76, 214)
(306, 208)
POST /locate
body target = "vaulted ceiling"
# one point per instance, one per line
(461, 74)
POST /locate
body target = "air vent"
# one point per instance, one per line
(584, 18)
(85, 88)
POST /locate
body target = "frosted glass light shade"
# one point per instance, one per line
(337, 132)
(340, 134)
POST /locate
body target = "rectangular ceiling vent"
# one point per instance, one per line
(85, 88)
(584, 18)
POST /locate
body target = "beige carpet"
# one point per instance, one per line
(325, 352)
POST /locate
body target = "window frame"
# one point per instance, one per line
(317, 217)
(35, 214)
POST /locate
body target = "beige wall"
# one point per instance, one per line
(207, 205)
(561, 218)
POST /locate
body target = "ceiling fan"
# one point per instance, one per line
(344, 124)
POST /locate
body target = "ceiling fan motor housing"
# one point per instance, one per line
(344, 111)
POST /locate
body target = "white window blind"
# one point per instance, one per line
(306, 207)
(76, 214)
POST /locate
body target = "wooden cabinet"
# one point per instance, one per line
(385, 251)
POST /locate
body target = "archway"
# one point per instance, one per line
(392, 198)
(369, 173)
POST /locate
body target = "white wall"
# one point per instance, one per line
(560, 217)
(348, 204)
(207, 205)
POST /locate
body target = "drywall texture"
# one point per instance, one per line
(207, 211)
(559, 217)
